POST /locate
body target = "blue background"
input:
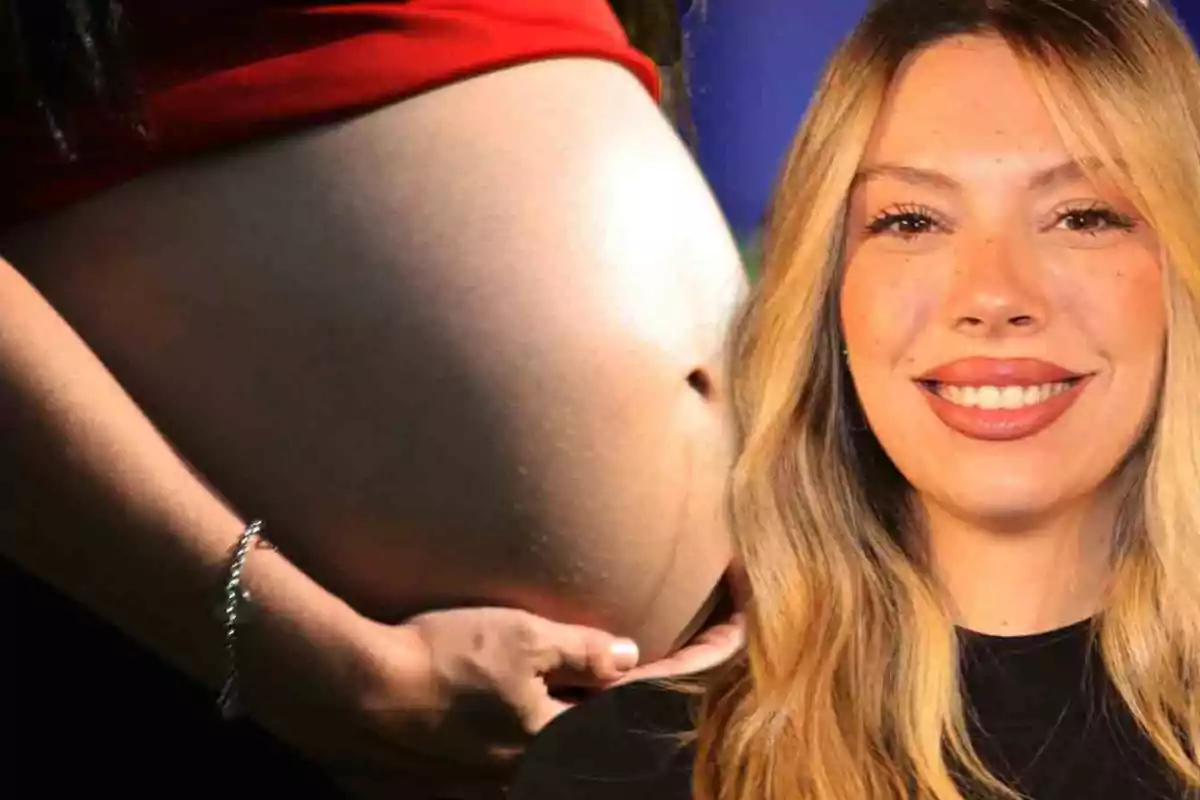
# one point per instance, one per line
(753, 64)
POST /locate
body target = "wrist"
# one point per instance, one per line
(400, 676)
(309, 663)
(298, 626)
(296, 636)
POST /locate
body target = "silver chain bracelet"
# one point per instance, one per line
(232, 613)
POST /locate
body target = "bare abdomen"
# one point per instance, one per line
(462, 350)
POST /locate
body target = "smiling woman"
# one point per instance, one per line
(966, 387)
(1009, 267)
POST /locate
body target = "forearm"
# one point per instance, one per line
(96, 502)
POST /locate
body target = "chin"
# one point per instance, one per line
(1001, 504)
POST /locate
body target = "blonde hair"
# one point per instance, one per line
(849, 688)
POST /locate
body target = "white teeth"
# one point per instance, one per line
(989, 397)
(1001, 397)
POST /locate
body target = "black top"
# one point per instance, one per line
(1046, 721)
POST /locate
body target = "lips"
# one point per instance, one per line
(1001, 399)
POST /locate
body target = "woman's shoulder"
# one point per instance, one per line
(626, 744)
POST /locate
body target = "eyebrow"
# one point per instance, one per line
(1066, 172)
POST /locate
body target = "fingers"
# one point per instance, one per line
(542, 711)
(574, 655)
(711, 648)
(563, 655)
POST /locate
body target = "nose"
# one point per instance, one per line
(996, 289)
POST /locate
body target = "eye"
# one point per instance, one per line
(1092, 220)
(905, 222)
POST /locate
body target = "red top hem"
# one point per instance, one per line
(266, 69)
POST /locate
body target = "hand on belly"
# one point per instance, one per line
(443, 377)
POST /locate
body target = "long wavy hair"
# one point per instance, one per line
(849, 688)
(59, 55)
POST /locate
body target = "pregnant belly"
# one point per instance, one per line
(440, 377)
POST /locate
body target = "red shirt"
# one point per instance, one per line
(235, 71)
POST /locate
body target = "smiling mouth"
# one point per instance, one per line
(1005, 410)
(1001, 397)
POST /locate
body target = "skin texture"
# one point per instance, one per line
(447, 698)
(993, 261)
(444, 377)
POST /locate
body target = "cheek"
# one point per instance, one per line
(1120, 309)
(884, 307)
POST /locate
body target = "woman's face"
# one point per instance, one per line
(1003, 314)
